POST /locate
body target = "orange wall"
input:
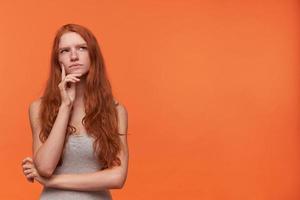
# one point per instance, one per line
(211, 88)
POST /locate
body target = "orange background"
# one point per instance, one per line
(211, 89)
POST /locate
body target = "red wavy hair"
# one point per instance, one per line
(101, 119)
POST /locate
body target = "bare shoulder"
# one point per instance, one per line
(36, 103)
(34, 107)
(121, 109)
(35, 124)
(122, 116)
(33, 112)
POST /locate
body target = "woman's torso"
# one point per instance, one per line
(79, 157)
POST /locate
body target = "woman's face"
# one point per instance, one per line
(73, 53)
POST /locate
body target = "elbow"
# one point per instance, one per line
(46, 174)
(119, 182)
(44, 171)
(43, 167)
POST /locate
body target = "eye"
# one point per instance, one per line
(62, 51)
(83, 47)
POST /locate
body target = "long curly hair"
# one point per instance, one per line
(101, 119)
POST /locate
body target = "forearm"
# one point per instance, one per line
(96, 181)
(48, 155)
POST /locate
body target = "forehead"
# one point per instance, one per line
(70, 39)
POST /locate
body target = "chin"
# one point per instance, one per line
(82, 72)
(77, 71)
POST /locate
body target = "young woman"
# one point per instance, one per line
(79, 129)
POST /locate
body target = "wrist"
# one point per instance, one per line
(66, 106)
(51, 182)
(47, 182)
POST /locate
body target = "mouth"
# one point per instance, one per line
(75, 66)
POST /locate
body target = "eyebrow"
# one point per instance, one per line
(83, 44)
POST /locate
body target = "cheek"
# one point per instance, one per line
(62, 58)
(86, 59)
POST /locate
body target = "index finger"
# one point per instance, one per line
(63, 72)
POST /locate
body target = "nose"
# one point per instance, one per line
(74, 55)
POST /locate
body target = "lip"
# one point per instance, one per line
(75, 65)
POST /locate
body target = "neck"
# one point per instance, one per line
(80, 88)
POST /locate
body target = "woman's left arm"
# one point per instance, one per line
(111, 178)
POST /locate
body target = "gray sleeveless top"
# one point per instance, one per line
(78, 157)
